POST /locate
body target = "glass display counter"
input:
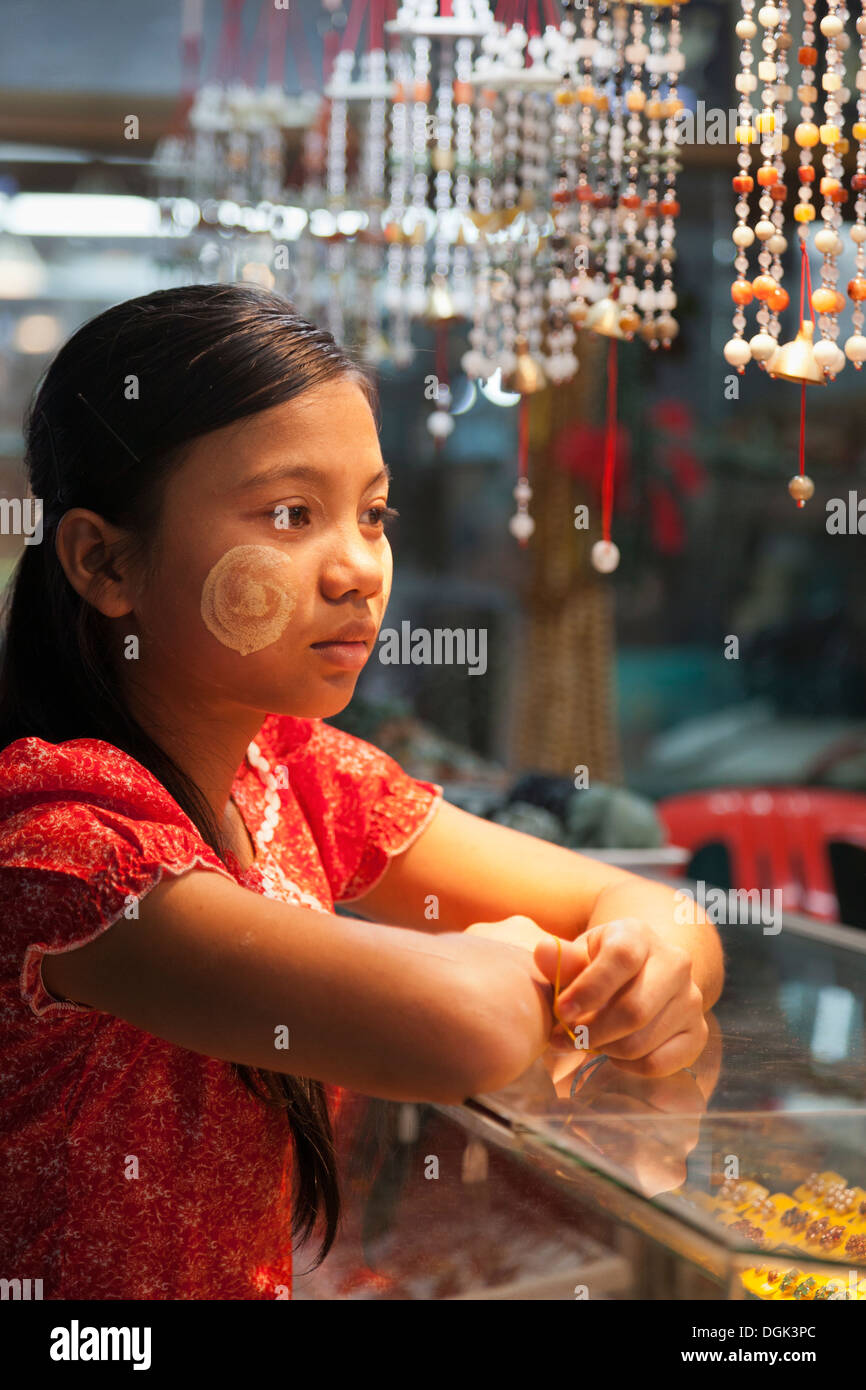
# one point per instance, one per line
(743, 1177)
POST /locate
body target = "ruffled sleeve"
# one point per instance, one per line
(85, 833)
(362, 808)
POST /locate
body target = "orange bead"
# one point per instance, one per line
(763, 286)
(463, 93)
(858, 182)
(828, 186)
(857, 289)
(743, 183)
(778, 193)
(839, 195)
(742, 292)
(767, 175)
(806, 135)
(804, 212)
(630, 200)
(807, 57)
(778, 300)
(840, 302)
(858, 130)
(824, 301)
(669, 207)
(806, 173)
(422, 91)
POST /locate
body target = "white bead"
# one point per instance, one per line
(777, 244)
(746, 29)
(831, 25)
(521, 526)
(855, 348)
(827, 242)
(737, 352)
(762, 346)
(743, 236)
(764, 229)
(440, 424)
(605, 556)
(858, 232)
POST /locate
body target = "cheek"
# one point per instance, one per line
(249, 596)
(387, 574)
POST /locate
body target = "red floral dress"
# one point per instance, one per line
(131, 1168)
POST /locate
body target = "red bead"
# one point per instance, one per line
(858, 182)
(778, 192)
(839, 195)
(630, 200)
(767, 175)
(584, 193)
(778, 300)
(602, 200)
(806, 173)
(743, 183)
(807, 57)
(669, 207)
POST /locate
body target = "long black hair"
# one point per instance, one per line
(106, 426)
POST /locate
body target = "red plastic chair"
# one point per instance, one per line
(776, 837)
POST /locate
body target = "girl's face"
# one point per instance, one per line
(273, 570)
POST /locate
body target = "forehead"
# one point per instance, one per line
(328, 430)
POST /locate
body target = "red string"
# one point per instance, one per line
(805, 279)
(609, 442)
(230, 40)
(278, 40)
(353, 28)
(377, 26)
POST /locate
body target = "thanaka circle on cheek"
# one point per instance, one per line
(248, 597)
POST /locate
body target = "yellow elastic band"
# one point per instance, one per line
(573, 1036)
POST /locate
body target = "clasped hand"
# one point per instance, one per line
(631, 990)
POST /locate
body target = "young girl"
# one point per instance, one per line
(179, 1003)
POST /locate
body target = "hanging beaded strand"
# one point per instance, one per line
(666, 327)
(655, 110)
(777, 244)
(827, 300)
(764, 286)
(855, 347)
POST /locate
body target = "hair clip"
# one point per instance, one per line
(59, 489)
(120, 441)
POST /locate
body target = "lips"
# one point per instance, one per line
(355, 632)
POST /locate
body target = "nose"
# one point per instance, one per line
(355, 563)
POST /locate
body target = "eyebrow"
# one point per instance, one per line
(302, 472)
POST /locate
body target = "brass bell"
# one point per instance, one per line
(527, 377)
(440, 305)
(603, 318)
(796, 361)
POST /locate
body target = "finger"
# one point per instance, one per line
(624, 950)
(671, 1019)
(637, 1008)
(679, 1051)
(571, 956)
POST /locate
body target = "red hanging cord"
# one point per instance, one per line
(805, 279)
(278, 42)
(523, 448)
(353, 28)
(230, 40)
(609, 442)
(441, 335)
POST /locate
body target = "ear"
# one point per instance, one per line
(85, 544)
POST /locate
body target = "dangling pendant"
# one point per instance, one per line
(801, 488)
(521, 525)
(605, 556)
